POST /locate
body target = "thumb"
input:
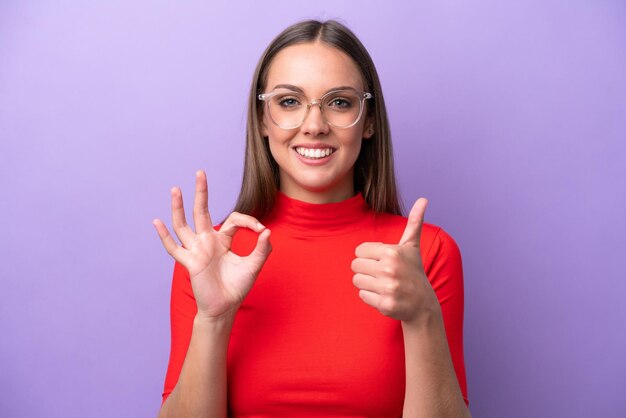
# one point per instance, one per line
(413, 230)
(261, 251)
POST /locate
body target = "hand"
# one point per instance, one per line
(391, 278)
(220, 279)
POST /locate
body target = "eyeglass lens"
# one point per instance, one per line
(340, 109)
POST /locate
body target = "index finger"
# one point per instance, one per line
(238, 220)
(371, 250)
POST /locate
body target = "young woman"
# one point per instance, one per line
(352, 310)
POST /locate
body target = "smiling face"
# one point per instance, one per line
(315, 160)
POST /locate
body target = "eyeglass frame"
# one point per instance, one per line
(362, 95)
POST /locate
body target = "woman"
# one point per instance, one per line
(338, 315)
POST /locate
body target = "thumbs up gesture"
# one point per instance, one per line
(391, 278)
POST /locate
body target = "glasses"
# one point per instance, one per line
(340, 108)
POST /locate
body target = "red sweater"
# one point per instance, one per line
(303, 343)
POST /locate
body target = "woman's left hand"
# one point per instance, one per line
(391, 278)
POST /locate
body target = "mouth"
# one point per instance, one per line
(314, 153)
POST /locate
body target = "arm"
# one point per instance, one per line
(210, 281)
(201, 387)
(435, 373)
(432, 389)
(391, 278)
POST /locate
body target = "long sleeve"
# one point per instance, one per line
(182, 312)
(444, 270)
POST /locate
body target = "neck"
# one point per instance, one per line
(335, 193)
(319, 197)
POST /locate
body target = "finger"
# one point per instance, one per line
(262, 250)
(182, 230)
(168, 242)
(366, 266)
(370, 298)
(367, 282)
(238, 220)
(372, 250)
(201, 216)
(413, 230)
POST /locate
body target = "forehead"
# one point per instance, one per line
(315, 68)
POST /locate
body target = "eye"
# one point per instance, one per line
(339, 103)
(288, 102)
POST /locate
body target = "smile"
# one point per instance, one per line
(314, 153)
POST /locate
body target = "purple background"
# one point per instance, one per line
(508, 116)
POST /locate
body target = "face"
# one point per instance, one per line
(315, 69)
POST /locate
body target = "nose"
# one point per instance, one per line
(314, 123)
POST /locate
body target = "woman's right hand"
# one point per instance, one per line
(220, 279)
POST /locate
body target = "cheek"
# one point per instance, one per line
(355, 141)
(357, 148)
(272, 147)
(278, 146)
(278, 139)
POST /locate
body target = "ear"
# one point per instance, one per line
(368, 129)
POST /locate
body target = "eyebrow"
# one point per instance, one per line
(299, 90)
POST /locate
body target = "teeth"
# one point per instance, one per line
(314, 153)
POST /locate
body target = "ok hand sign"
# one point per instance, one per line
(391, 278)
(220, 279)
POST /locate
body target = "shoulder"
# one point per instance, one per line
(442, 260)
(431, 234)
(440, 242)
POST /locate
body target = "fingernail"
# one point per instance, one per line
(260, 225)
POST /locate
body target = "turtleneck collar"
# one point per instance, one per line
(314, 219)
